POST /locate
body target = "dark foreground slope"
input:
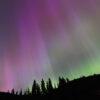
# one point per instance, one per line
(77, 89)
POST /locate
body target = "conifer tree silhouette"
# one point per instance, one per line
(13, 91)
(43, 87)
(20, 93)
(62, 83)
(16, 93)
(34, 88)
(67, 80)
(62, 86)
(49, 86)
(27, 92)
(38, 90)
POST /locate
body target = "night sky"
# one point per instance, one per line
(48, 38)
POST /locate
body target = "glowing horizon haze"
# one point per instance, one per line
(48, 38)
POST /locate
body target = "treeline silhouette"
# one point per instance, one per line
(80, 89)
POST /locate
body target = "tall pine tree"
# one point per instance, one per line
(43, 87)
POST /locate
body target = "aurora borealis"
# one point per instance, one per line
(48, 38)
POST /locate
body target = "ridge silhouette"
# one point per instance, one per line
(80, 89)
